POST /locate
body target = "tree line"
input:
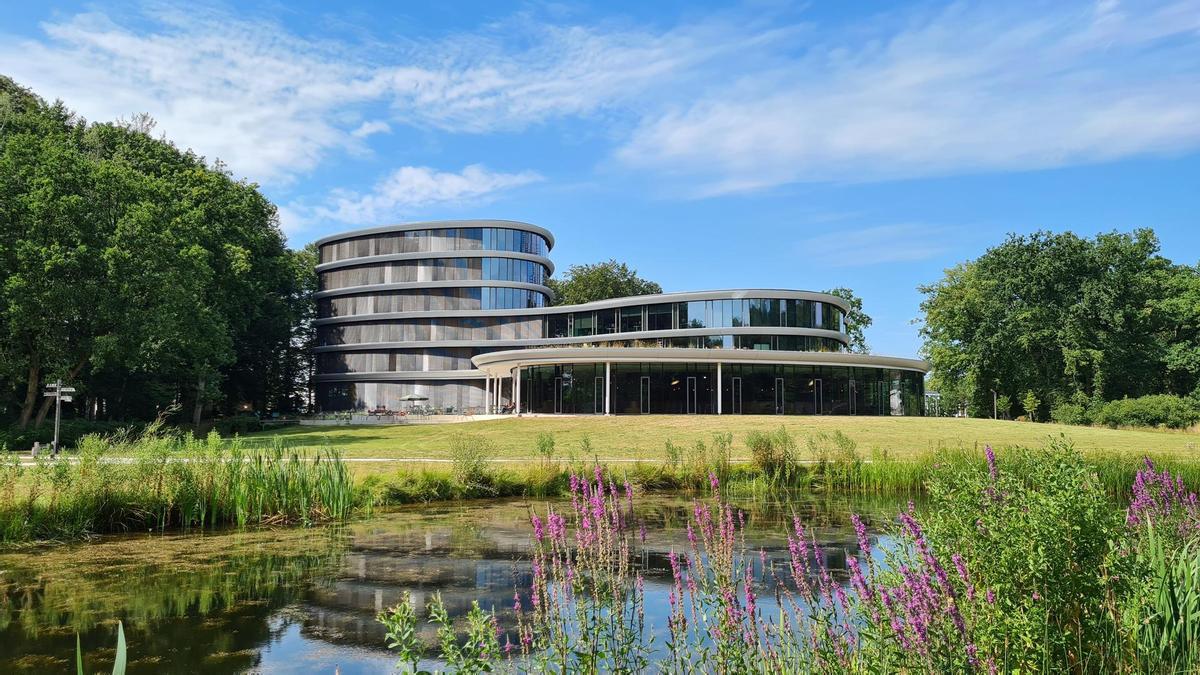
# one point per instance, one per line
(142, 274)
(1054, 324)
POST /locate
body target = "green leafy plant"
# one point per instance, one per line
(469, 456)
(400, 622)
(119, 660)
(545, 447)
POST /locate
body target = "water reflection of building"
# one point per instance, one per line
(490, 564)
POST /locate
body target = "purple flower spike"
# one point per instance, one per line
(991, 462)
(860, 530)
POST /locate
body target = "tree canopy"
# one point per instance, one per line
(857, 321)
(1051, 318)
(137, 271)
(600, 281)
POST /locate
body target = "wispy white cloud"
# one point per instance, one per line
(370, 128)
(968, 89)
(410, 188)
(904, 242)
(737, 101)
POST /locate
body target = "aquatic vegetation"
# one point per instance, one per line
(157, 481)
(1019, 562)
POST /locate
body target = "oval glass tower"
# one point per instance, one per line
(402, 309)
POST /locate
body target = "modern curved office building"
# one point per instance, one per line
(458, 314)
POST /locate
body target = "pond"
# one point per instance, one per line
(305, 600)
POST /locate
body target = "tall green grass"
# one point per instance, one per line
(155, 481)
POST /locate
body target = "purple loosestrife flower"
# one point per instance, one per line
(991, 461)
(990, 597)
(712, 480)
(537, 526)
(860, 531)
(748, 587)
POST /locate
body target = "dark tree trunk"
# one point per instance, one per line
(31, 390)
(198, 411)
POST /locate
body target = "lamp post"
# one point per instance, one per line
(994, 405)
(60, 394)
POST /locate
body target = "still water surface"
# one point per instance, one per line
(304, 600)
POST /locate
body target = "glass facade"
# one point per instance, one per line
(445, 239)
(759, 312)
(749, 389)
(429, 299)
(422, 330)
(357, 341)
(435, 269)
(451, 397)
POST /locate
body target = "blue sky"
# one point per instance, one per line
(761, 144)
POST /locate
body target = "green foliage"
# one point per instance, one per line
(774, 453)
(1058, 314)
(1166, 619)
(155, 481)
(837, 459)
(1039, 538)
(857, 321)
(1159, 410)
(120, 657)
(600, 281)
(1030, 402)
(139, 273)
(545, 447)
(400, 622)
(469, 455)
(474, 654)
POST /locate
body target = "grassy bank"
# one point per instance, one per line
(642, 437)
(155, 481)
(778, 461)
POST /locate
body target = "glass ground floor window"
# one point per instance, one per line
(750, 389)
(446, 397)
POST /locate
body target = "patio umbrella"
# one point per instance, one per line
(413, 398)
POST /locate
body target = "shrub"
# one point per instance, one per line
(239, 425)
(1156, 410)
(1035, 528)
(774, 453)
(674, 455)
(1071, 413)
(545, 447)
(469, 455)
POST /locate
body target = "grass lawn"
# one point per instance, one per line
(642, 437)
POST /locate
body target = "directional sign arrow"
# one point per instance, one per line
(67, 399)
(67, 390)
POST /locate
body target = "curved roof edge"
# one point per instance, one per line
(440, 224)
(501, 363)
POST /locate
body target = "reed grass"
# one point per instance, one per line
(156, 481)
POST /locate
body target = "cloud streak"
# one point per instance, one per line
(732, 103)
(965, 90)
(410, 188)
(905, 242)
